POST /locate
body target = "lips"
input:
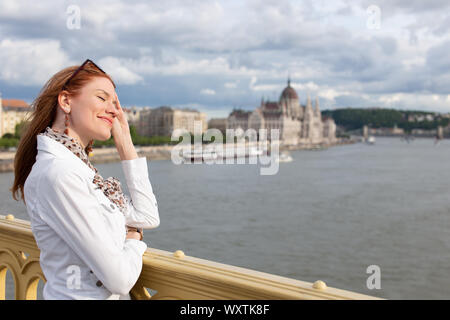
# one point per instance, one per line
(107, 120)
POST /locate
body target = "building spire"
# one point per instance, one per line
(316, 108)
(289, 80)
(308, 102)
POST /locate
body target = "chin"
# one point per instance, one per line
(103, 136)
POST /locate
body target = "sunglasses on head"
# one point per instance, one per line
(80, 68)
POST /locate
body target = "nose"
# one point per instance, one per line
(112, 109)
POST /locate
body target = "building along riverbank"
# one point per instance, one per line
(105, 155)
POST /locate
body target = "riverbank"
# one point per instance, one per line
(99, 155)
(106, 155)
(337, 142)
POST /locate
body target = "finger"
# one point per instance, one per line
(118, 103)
(118, 107)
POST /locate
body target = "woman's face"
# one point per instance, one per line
(92, 110)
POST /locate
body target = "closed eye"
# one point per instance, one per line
(101, 98)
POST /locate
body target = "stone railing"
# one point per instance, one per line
(170, 275)
(20, 255)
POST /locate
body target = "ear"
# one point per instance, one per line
(64, 100)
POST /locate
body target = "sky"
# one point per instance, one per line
(214, 56)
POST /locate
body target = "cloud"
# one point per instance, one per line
(119, 72)
(309, 86)
(263, 87)
(208, 92)
(229, 53)
(230, 85)
(438, 58)
(31, 62)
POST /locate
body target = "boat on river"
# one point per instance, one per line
(284, 157)
(370, 140)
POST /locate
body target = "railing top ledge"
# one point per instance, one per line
(202, 269)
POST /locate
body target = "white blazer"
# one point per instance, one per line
(81, 234)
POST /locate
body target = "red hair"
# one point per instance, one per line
(43, 114)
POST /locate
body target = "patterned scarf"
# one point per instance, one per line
(110, 187)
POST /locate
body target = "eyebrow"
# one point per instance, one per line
(107, 94)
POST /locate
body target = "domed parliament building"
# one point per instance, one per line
(298, 124)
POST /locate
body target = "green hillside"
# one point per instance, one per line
(354, 118)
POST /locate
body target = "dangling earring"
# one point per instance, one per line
(66, 124)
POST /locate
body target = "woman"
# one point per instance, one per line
(89, 233)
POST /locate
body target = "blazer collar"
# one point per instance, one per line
(58, 150)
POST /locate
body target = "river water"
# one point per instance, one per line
(327, 215)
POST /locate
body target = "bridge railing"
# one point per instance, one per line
(165, 275)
